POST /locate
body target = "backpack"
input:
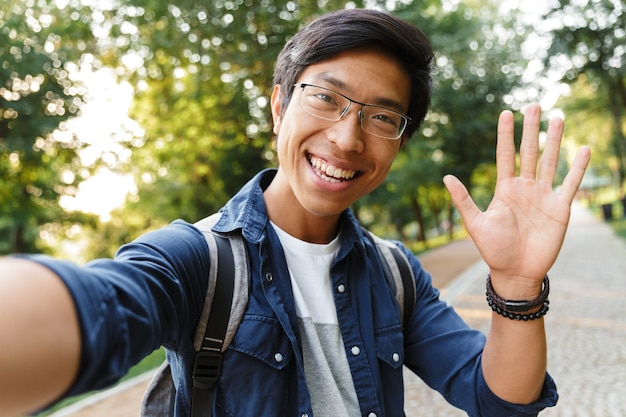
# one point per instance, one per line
(225, 302)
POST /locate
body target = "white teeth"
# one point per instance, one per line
(333, 172)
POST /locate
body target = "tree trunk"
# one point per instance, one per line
(419, 217)
(18, 244)
(619, 138)
(451, 221)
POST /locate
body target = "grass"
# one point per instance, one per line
(434, 242)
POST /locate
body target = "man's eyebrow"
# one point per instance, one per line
(335, 82)
(378, 101)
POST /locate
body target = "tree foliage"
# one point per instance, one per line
(202, 78)
(589, 50)
(203, 87)
(38, 157)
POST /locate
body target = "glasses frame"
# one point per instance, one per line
(407, 119)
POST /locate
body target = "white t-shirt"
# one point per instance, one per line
(325, 364)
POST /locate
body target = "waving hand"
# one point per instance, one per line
(521, 232)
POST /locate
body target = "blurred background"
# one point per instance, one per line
(119, 116)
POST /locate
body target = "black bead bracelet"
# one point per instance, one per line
(513, 309)
(518, 316)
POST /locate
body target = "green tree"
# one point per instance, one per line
(203, 82)
(38, 156)
(588, 49)
(202, 74)
(589, 122)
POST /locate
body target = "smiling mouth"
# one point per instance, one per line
(329, 172)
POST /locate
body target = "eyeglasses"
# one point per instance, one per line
(333, 106)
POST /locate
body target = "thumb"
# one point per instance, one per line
(461, 199)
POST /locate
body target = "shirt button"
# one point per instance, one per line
(341, 288)
(355, 350)
(395, 357)
(269, 277)
(278, 357)
(305, 415)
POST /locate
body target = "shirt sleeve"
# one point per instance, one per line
(446, 354)
(492, 405)
(131, 305)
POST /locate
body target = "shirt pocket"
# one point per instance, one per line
(390, 351)
(390, 348)
(256, 372)
(263, 338)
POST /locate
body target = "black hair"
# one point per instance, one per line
(347, 29)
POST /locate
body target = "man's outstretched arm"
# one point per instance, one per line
(39, 337)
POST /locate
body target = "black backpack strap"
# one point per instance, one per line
(208, 362)
(398, 273)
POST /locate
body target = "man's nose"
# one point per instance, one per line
(347, 133)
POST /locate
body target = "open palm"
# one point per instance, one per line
(521, 232)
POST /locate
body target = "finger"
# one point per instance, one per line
(550, 155)
(529, 148)
(575, 175)
(505, 147)
(461, 200)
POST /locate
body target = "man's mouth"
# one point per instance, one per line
(329, 172)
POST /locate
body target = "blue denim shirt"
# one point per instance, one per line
(152, 294)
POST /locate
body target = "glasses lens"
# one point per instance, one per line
(323, 103)
(383, 122)
(329, 105)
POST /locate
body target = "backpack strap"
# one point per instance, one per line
(224, 305)
(207, 365)
(398, 273)
(238, 253)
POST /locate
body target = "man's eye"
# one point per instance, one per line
(388, 118)
(324, 97)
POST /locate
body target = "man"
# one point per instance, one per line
(321, 333)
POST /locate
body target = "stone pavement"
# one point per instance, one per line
(587, 322)
(586, 326)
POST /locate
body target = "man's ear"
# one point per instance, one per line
(276, 105)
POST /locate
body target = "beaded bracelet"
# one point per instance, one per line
(512, 309)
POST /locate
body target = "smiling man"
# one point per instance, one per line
(333, 149)
(322, 332)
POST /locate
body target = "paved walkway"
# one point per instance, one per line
(586, 326)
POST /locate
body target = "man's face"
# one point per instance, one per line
(325, 166)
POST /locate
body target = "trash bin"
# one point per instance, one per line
(607, 211)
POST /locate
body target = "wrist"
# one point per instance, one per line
(516, 288)
(519, 309)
